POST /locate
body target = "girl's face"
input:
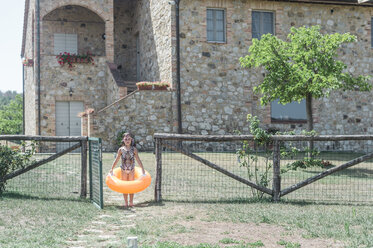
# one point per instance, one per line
(127, 140)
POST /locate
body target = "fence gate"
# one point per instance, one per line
(95, 172)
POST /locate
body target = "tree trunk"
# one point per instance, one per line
(309, 121)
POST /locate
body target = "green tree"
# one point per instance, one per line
(6, 97)
(304, 66)
(11, 117)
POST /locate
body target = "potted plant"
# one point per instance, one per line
(28, 62)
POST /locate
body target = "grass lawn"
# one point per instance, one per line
(41, 222)
(185, 221)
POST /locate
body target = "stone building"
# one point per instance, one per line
(135, 40)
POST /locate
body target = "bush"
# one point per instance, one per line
(119, 138)
(11, 160)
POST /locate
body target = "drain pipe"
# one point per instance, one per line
(179, 116)
(178, 94)
(38, 60)
(23, 99)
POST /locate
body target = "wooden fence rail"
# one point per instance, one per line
(276, 191)
(217, 138)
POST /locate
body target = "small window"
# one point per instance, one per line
(216, 25)
(292, 112)
(262, 23)
(65, 43)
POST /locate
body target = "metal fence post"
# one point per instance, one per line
(276, 187)
(90, 169)
(158, 163)
(83, 189)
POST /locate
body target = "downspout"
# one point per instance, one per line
(38, 60)
(179, 116)
(23, 98)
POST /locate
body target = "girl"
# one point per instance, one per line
(128, 153)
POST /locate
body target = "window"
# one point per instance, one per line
(216, 25)
(65, 43)
(293, 111)
(262, 23)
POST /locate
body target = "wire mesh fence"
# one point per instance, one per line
(59, 177)
(353, 184)
(186, 179)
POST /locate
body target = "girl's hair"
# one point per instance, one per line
(130, 135)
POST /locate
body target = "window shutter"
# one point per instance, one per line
(65, 43)
(71, 43)
(59, 43)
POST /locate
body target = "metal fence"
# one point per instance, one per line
(95, 172)
(235, 168)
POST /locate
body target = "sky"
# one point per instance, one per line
(11, 26)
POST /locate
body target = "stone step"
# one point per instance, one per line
(107, 236)
(76, 242)
(104, 216)
(94, 231)
(99, 222)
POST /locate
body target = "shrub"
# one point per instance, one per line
(119, 138)
(11, 160)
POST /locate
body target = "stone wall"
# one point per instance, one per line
(217, 94)
(153, 24)
(87, 81)
(142, 113)
(88, 26)
(125, 38)
(112, 88)
(150, 23)
(30, 102)
(29, 74)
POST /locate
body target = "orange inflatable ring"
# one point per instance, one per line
(128, 187)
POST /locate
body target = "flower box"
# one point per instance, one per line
(152, 85)
(70, 59)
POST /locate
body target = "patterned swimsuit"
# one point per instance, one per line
(128, 161)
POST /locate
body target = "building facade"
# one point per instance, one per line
(135, 41)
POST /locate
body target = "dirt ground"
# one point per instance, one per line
(185, 224)
(269, 235)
